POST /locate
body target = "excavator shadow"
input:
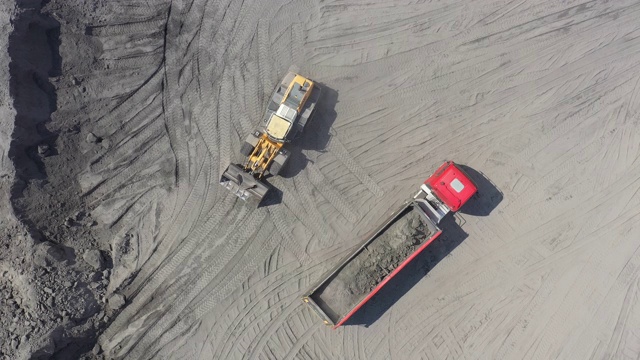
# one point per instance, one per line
(487, 199)
(316, 136)
(273, 197)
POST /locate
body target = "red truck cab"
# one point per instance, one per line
(445, 191)
(451, 185)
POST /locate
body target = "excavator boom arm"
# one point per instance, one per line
(262, 156)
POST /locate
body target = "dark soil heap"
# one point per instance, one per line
(55, 262)
(386, 253)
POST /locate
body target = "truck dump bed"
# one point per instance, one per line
(346, 287)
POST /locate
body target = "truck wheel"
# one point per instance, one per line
(246, 149)
(275, 168)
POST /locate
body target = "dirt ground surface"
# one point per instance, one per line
(119, 116)
(365, 271)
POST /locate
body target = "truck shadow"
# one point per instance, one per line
(316, 135)
(487, 199)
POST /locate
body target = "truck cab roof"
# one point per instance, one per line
(451, 185)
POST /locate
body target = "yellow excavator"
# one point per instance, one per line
(290, 107)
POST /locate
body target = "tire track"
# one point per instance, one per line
(122, 155)
(514, 274)
(289, 303)
(135, 9)
(224, 123)
(548, 13)
(227, 52)
(141, 96)
(114, 212)
(223, 132)
(412, 93)
(264, 60)
(96, 187)
(574, 121)
(575, 162)
(281, 48)
(129, 104)
(630, 300)
(151, 283)
(247, 265)
(244, 266)
(250, 300)
(490, 280)
(239, 92)
(137, 122)
(349, 346)
(362, 354)
(264, 336)
(235, 327)
(322, 184)
(239, 29)
(177, 122)
(150, 25)
(340, 152)
(300, 342)
(297, 43)
(174, 240)
(312, 220)
(311, 217)
(211, 69)
(148, 340)
(134, 62)
(278, 216)
(243, 28)
(585, 288)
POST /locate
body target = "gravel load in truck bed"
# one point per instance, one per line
(367, 269)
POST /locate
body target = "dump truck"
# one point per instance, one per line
(290, 107)
(406, 232)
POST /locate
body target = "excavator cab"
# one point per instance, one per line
(280, 123)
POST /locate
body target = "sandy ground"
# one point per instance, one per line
(538, 99)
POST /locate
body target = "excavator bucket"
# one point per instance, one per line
(243, 184)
